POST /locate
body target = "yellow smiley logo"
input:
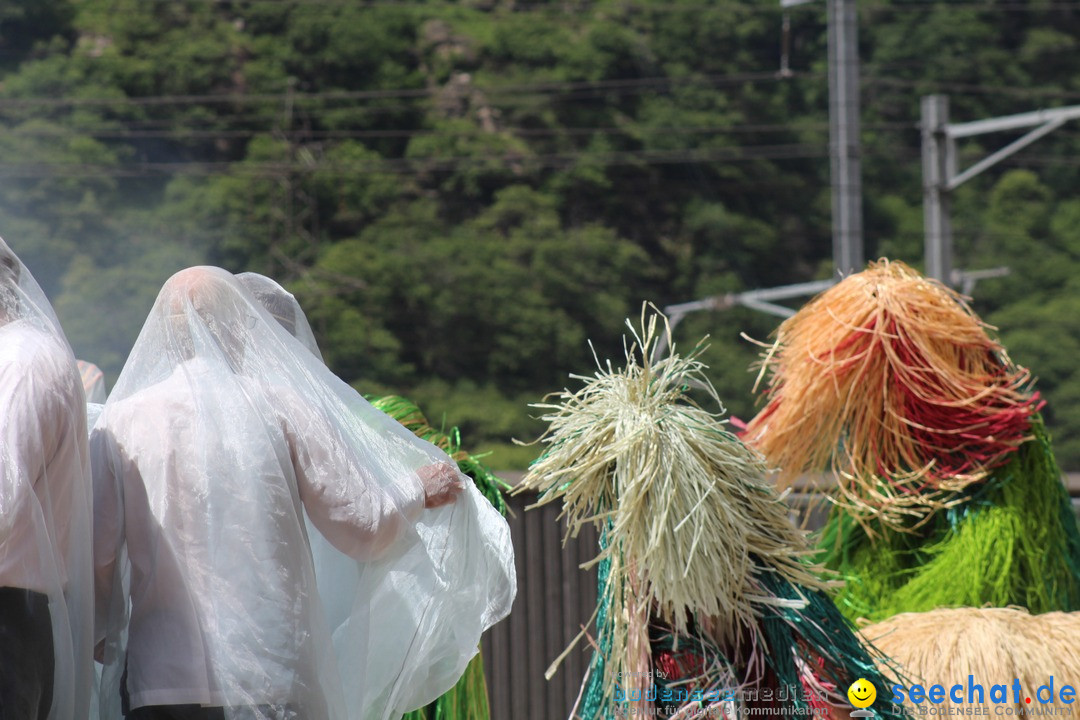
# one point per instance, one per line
(862, 693)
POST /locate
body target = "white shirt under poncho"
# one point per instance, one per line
(45, 480)
(221, 580)
(40, 427)
(221, 433)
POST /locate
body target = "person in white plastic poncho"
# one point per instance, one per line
(46, 599)
(336, 575)
(221, 433)
(283, 307)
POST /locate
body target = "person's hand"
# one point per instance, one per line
(442, 484)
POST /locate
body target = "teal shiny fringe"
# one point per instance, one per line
(594, 704)
(816, 635)
(1013, 541)
(825, 641)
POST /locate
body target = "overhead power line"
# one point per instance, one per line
(749, 8)
(578, 89)
(496, 94)
(415, 165)
(504, 7)
(535, 88)
(976, 89)
(184, 133)
(422, 165)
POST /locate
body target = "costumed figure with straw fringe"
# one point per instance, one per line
(947, 491)
(1006, 661)
(708, 606)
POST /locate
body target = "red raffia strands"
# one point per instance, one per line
(890, 378)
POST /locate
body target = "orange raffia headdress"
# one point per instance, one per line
(891, 379)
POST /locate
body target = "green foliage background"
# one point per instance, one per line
(463, 194)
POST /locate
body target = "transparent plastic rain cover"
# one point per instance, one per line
(261, 542)
(45, 493)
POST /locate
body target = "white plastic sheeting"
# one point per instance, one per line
(221, 434)
(45, 480)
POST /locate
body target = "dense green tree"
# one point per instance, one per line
(464, 194)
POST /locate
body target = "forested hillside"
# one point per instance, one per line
(461, 194)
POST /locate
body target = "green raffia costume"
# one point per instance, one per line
(702, 575)
(947, 490)
(468, 699)
(1010, 541)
